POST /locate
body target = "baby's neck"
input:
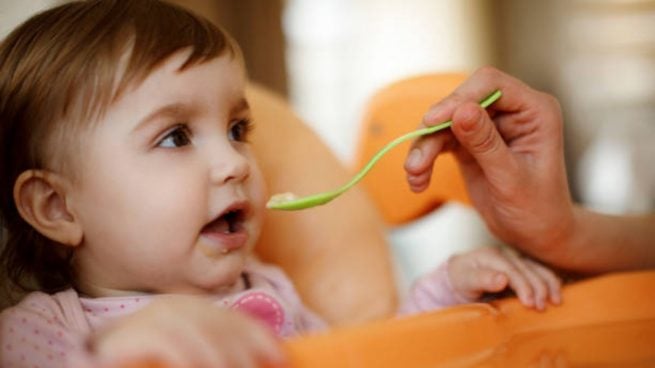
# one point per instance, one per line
(96, 291)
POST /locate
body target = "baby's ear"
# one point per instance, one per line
(42, 200)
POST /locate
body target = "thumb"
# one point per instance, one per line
(494, 281)
(483, 280)
(477, 133)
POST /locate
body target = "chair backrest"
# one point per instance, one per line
(395, 110)
(337, 255)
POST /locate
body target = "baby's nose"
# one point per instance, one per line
(230, 166)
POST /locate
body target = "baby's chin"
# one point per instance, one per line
(226, 273)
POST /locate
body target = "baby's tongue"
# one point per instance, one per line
(218, 226)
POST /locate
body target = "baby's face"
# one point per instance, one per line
(169, 194)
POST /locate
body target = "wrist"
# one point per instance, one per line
(555, 239)
(561, 249)
(458, 295)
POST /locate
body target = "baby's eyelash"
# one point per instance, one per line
(177, 136)
(240, 130)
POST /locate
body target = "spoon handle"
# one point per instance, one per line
(289, 202)
(413, 134)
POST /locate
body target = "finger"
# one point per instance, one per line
(420, 182)
(517, 281)
(442, 111)
(490, 280)
(516, 94)
(261, 343)
(553, 282)
(478, 135)
(163, 347)
(175, 355)
(193, 347)
(472, 277)
(268, 348)
(240, 355)
(474, 89)
(538, 286)
(210, 352)
(421, 157)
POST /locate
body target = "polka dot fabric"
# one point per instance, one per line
(39, 333)
(50, 331)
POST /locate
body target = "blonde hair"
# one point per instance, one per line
(62, 69)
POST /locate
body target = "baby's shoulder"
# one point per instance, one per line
(42, 306)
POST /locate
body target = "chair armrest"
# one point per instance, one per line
(607, 321)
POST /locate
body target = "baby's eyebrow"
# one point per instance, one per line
(240, 105)
(173, 110)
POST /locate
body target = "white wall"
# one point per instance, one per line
(342, 51)
(13, 12)
(608, 81)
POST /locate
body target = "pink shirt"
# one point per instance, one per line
(51, 330)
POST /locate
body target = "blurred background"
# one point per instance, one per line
(327, 57)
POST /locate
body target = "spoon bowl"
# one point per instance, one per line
(290, 202)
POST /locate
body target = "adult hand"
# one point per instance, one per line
(511, 157)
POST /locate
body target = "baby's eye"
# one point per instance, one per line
(179, 136)
(239, 130)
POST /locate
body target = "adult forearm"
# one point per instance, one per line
(603, 243)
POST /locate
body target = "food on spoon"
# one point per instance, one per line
(281, 198)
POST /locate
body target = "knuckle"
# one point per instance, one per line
(551, 104)
(528, 292)
(442, 108)
(487, 141)
(455, 98)
(494, 251)
(551, 101)
(487, 71)
(540, 288)
(552, 280)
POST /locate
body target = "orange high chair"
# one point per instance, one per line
(393, 111)
(606, 321)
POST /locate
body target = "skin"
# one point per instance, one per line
(160, 183)
(492, 270)
(137, 209)
(512, 159)
(166, 160)
(182, 331)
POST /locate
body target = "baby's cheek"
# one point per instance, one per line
(258, 190)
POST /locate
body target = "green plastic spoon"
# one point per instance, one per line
(289, 202)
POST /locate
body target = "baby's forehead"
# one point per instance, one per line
(217, 80)
(125, 78)
(67, 70)
(132, 50)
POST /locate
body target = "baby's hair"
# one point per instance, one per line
(60, 71)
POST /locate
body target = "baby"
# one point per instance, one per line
(132, 201)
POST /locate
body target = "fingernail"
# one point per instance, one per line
(431, 117)
(414, 158)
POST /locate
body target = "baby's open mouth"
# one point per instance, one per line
(228, 223)
(227, 232)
